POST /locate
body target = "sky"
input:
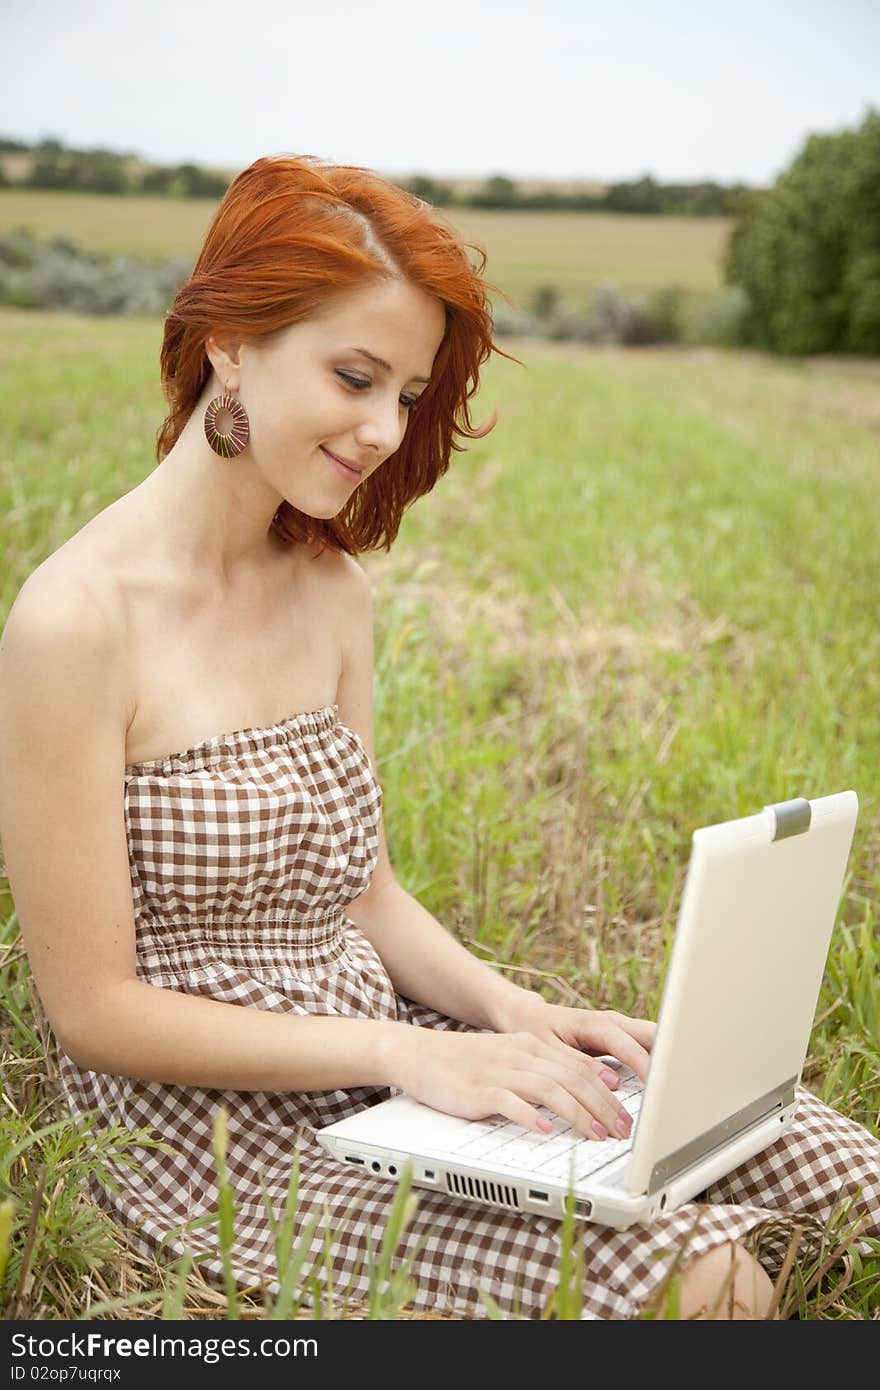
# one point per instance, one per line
(573, 89)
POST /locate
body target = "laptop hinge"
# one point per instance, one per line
(790, 817)
(700, 1148)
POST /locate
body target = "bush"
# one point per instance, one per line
(58, 274)
(807, 251)
(666, 314)
(514, 323)
(613, 317)
(631, 319)
(719, 322)
(546, 301)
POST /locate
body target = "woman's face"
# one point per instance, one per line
(309, 393)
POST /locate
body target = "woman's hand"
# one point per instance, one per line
(513, 1073)
(594, 1031)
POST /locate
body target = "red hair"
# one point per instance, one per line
(292, 234)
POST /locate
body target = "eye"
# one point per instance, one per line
(361, 383)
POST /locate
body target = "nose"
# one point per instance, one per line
(382, 424)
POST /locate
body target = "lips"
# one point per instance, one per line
(348, 463)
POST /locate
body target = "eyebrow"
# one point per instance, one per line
(386, 366)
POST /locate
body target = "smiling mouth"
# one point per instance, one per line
(347, 469)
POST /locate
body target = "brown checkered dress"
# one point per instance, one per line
(244, 852)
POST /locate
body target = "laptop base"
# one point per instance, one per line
(603, 1200)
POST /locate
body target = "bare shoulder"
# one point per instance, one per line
(65, 624)
(346, 574)
(61, 598)
(347, 591)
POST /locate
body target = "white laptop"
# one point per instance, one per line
(758, 909)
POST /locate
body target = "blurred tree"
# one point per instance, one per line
(100, 171)
(545, 301)
(644, 195)
(807, 251)
(194, 182)
(50, 169)
(497, 192)
(431, 190)
(157, 180)
(861, 278)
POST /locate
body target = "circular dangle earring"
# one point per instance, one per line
(227, 428)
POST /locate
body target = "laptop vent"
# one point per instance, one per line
(499, 1194)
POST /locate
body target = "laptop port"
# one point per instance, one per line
(536, 1196)
(376, 1166)
(350, 1158)
(429, 1173)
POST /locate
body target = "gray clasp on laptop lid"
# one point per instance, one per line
(790, 817)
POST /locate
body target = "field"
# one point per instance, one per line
(573, 251)
(647, 601)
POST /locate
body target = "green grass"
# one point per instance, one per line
(152, 228)
(573, 251)
(646, 602)
(578, 251)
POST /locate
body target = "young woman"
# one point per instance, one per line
(191, 816)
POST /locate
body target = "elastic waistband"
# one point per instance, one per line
(187, 942)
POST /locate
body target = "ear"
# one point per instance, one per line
(224, 354)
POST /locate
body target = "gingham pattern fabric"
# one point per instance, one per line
(244, 852)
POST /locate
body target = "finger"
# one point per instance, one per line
(590, 1099)
(557, 1097)
(616, 1041)
(585, 1078)
(615, 1047)
(607, 1075)
(642, 1029)
(554, 1047)
(502, 1101)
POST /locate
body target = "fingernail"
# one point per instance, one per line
(610, 1078)
(599, 1130)
(545, 1126)
(624, 1124)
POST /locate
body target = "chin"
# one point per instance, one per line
(317, 513)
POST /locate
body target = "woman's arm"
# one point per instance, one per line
(428, 965)
(63, 717)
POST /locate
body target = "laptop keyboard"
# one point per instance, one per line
(563, 1154)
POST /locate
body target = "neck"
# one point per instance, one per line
(215, 514)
